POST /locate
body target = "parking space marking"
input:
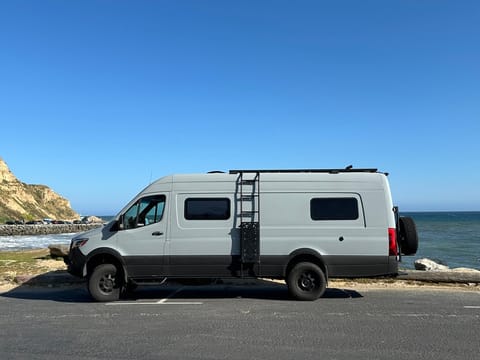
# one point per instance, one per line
(472, 307)
(182, 303)
(160, 302)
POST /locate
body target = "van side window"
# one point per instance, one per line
(146, 211)
(334, 209)
(207, 209)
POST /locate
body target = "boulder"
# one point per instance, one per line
(429, 265)
(58, 250)
(92, 220)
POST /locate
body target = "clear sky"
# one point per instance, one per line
(98, 98)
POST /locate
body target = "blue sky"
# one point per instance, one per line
(98, 98)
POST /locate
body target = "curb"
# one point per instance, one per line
(445, 276)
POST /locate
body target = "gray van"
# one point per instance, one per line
(303, 226)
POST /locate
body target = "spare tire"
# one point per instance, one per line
(408, 238)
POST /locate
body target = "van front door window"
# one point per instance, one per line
(146, 211)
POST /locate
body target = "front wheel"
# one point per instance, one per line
(104, 283)
(306, 281)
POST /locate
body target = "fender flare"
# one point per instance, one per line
(309, 254)
(106, 251)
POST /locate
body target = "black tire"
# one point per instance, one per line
(104, 284)
(306, 282)
(408, 237)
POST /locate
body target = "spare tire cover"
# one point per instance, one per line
(408, 238)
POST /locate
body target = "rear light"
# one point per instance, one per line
(392, 242)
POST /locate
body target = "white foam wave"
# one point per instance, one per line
(25, 242)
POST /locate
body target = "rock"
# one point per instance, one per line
(92, 220)
(429, 265)
(58, 250)
(9, 230)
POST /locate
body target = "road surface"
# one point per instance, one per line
(239, 322)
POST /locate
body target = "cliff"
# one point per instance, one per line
(20, 201)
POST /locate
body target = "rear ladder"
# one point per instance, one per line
(248, 199)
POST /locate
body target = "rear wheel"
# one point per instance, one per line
(105, 284)
(306, 281)
(408, 239)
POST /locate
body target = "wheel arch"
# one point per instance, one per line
(306, 255)
(105, 256)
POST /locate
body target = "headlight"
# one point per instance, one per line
(76, 243)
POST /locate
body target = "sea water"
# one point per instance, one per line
(453, 238)
(29, 242)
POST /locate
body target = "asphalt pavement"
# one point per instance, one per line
(240, 322)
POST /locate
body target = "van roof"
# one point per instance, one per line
(365, 179)
(330, 171)
(360, 175)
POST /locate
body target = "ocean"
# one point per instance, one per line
(452, 238)
(28, 242)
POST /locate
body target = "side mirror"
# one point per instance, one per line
(119, 224)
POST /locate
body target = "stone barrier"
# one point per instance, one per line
(11, 230)
(462, 275)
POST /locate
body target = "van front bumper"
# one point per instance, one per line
(75, 262)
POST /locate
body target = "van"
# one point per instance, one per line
(302, 226)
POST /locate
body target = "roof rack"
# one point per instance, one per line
(331, 171)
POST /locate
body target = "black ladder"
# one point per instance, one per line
(248, 196)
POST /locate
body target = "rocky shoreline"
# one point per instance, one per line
(12, 230)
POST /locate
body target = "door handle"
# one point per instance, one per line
(157, 233)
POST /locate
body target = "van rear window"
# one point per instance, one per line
(334, 209)
(207, 209)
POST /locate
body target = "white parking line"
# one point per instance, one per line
(471, 307)
(182, 303)
(161, 302)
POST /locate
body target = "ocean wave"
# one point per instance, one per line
(28, 242)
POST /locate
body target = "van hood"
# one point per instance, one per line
(90, 233)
